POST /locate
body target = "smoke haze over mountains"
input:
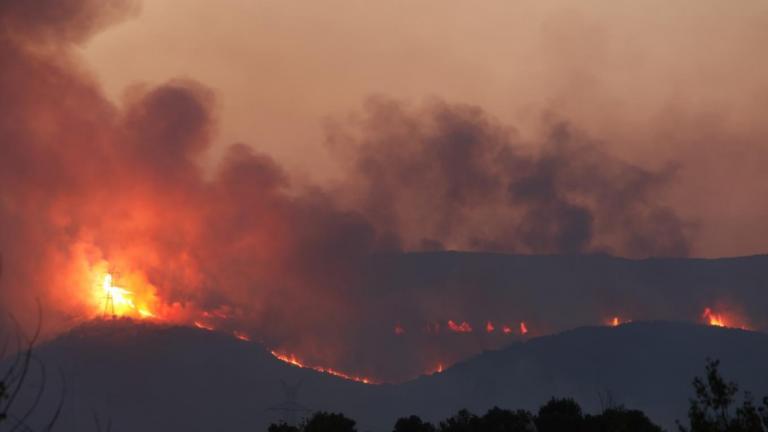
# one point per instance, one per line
(133, 187)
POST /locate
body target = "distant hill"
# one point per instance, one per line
(550, 293)
(154, 378)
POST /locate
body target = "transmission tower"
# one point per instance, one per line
(290, 410)
(109, 301)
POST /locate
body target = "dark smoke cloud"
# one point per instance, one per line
(450, 175)
(83, 181)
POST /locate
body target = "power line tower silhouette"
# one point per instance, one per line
(109, 300)
(290, 410)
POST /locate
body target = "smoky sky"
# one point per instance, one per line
(451, 176)
(84, 179)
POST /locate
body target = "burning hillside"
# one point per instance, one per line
(122, 210)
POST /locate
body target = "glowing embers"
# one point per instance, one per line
(489, 327)
(713, 318)
(616, 321)
(464, 327)
(204, 325)
(436, 370)
(720, 319)
(241, 335)
(293, 360)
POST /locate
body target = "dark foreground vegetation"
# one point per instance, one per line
(715, 407)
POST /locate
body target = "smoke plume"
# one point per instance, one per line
(87, 184)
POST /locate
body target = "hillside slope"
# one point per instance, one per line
(152, 378)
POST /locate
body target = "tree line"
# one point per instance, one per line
(715, 407)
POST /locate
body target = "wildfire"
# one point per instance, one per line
(464, 327)
(128, 295)
(118, 301)
(718, 319)
(714, 319)
(293, 360)
(438, 369)
(489, 328)
(241, 335)
(204, 326)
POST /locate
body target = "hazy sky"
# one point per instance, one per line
(656, 82)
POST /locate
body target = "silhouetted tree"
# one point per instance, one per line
(500, 420)
(463, 421)
(13, 381)
(3, 396)
(413, 424)
(559, 415)
(619, 419)
(714, 408)
(329, 422)
(282, 427)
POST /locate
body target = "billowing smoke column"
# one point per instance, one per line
(93, 194)
(450, 176)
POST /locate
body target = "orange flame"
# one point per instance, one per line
(115, 301)
(719, 319)
(506, 329)
(241, 335)
(293, 360)
(464, 327)
(713, 319)
(204, 326)
(489, 328)
(523, 328)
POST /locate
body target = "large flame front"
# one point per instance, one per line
(136, 300)
(117, 301)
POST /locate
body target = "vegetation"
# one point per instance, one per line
(319, 422)
(714, 409)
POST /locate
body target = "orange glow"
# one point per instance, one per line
(713, 319)
(464, 327)
(435, 370)
(114, 301)
(204, 326)
(489, 328)
(506, 329)
(523, 328)
(293, 360)
(399, 329)
(720, 319)
(241, 335)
